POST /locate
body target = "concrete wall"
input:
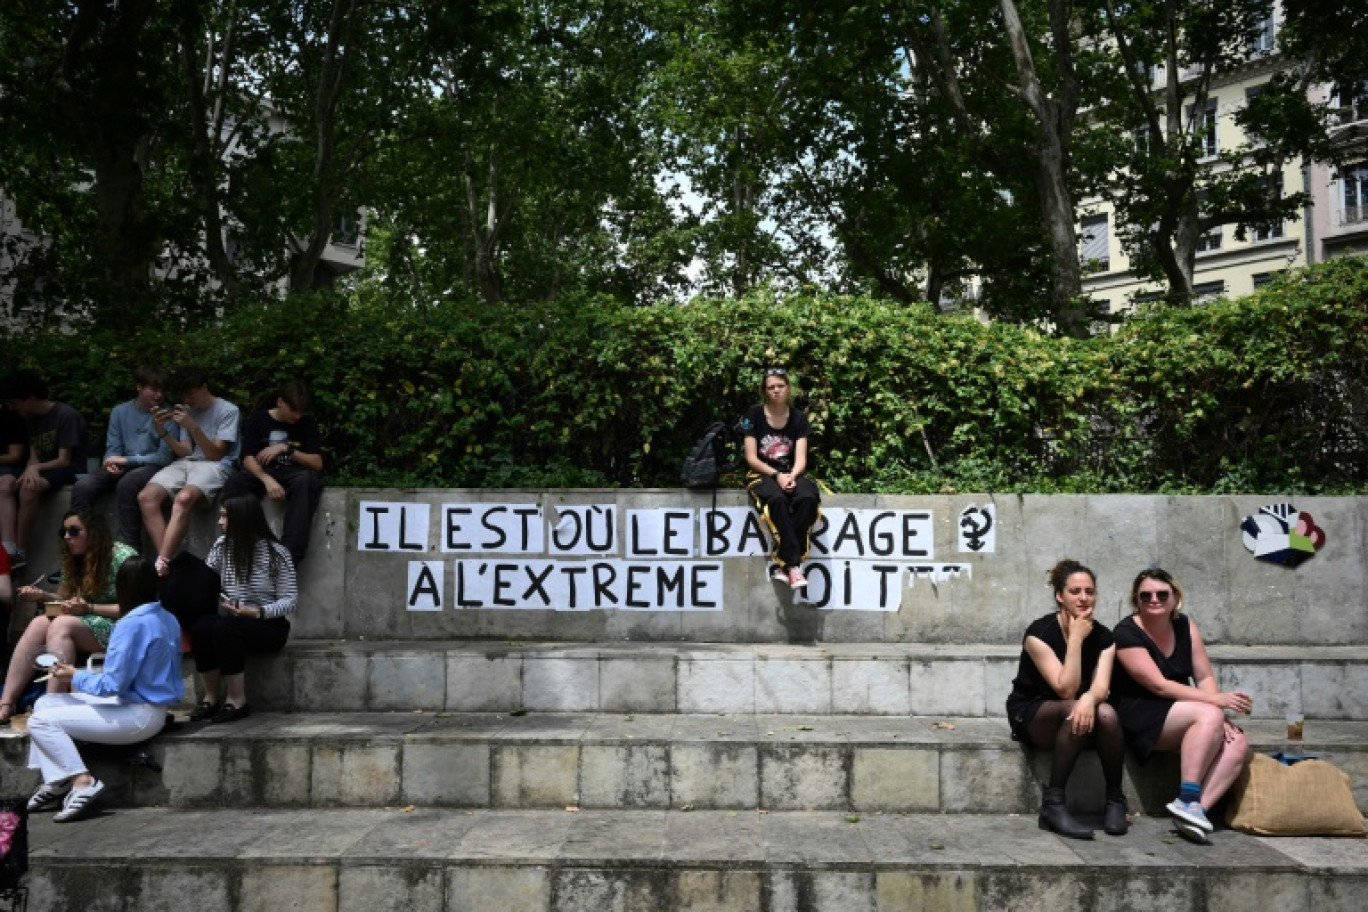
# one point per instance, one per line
(353, 593)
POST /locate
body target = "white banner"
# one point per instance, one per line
(390, 526)
(587, 585)
(493, 528)
(520, 555)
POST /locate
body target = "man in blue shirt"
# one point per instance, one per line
(133, 454)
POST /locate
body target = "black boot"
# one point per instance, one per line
(1055, 816)
(1114, 822)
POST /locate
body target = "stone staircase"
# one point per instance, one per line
(535, 776)
(510, 773)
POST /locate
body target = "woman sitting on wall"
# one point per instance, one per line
(1059, 698)
(776, 447)
(259, 593)
(1168, 699)
(90, 563)
(124, 704)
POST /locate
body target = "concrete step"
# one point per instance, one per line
(745, 762)
(1323, 682)
(434, 860)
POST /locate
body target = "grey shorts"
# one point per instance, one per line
(207, 476)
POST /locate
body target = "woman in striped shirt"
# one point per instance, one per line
(258, 595)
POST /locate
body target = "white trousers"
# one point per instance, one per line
(59, 718)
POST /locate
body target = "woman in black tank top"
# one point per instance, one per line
(1059, 698)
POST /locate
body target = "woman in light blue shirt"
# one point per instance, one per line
(124, 704)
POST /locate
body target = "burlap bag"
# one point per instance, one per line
(1310, 798)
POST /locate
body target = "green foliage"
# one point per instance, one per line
(1263, 394)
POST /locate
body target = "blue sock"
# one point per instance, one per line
(1189, 792)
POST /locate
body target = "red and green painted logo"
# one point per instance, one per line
(1281, 534)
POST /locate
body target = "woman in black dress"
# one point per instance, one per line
(1168, 699)
(1059, 698)
(776, 441)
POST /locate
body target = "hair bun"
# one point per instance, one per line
(1059, 574)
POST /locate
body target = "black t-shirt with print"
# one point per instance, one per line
(12, 431)
(261, 431)
(775, 446)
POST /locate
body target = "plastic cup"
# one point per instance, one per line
(1295, 726)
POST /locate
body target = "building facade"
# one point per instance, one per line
(1334, 222)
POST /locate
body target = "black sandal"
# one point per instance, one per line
(204, 711)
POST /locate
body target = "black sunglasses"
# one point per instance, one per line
(1159, 597)
(70, 531)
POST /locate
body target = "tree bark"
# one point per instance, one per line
(204, 173)
(486, 231)
(118, 138)
(1055, 120)
(304, 271)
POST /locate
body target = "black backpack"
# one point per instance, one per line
(715, 454)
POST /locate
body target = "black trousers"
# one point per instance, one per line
(790, 516)
(125, 486)
(303, 490)
(221, 642)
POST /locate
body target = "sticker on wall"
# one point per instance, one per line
(977, 534)
(1281, 534)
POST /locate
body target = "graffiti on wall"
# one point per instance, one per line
(1279, 533)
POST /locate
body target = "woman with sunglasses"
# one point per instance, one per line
(259, 593)
(1058, 699)
(1168, 699)
(87, 607)
(776, 447)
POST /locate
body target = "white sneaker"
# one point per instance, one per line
(796, 578)
(48, 796)
(1190, 812)
(78, 802)
(1191, 833)
(778, 574)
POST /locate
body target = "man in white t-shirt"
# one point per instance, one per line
(202, 431)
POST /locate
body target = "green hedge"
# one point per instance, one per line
(1261, 394)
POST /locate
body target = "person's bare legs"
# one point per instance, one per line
(186, 500)
(28, 509)
(21, 672)
(150, 500)
(1197, 732)
(66, 637)
(210, 680)
(9, 507)
(1194, 731)
(235, 689)
(1229, 764)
